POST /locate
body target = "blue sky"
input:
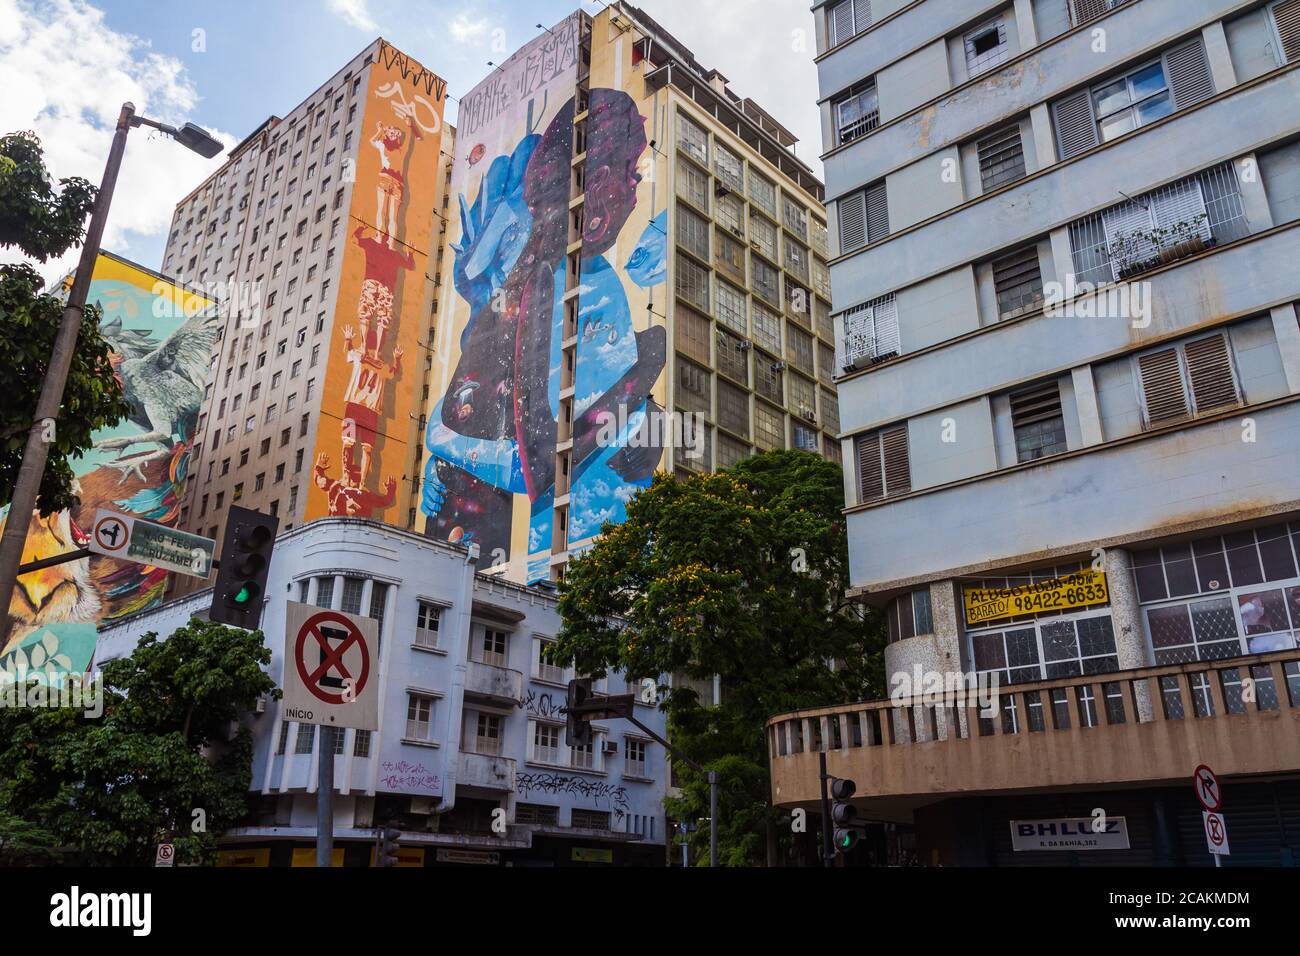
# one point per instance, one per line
(67, 65)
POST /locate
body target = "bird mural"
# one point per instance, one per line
(164, 382)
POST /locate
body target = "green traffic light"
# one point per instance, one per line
(243, 595)
(846, 841)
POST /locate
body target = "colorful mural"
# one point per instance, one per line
(494, 424)
(162, 336)
(368, 393)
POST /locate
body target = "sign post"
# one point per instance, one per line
(1206, 787)
(144, 542)
(328, 681)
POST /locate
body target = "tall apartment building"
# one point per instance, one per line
(632, 240)
(321, 235)
(1066, 292)
(470, 719)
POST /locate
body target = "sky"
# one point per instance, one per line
(66, 66)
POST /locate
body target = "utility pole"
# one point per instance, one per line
(325, 798)
(36, 451)
(828, 852)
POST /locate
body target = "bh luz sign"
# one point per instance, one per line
(1070, 833)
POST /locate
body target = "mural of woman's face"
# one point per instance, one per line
(615, 141)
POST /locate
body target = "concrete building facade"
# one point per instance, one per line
(469, 718)
(1069, 367)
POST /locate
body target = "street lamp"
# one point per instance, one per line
(56, 376)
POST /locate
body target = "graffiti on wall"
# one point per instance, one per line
(495, 424)
(161, 336)
(367, 397)
(602, 795)
(403, 776)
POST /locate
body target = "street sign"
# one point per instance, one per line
(166, 855)
(1216, 833)
(144, 542)
(1206, 785)
(329, 673)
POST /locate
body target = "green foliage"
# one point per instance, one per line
(740, 573)
(167, 745)
(92, 398)
(38, 219)
(25, 844)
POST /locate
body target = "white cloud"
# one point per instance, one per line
(65, 75)
(773, 66)
(465, 30)
(354, 13)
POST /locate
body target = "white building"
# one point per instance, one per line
(469, 717)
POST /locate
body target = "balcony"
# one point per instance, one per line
(1132, 728)
(498, 685)
(486, 771)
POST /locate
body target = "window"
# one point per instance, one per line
(767, 328)
(1018, 282)
(634, 758)
(769, 427)
(494, 647)
(870, 332)
(883, 466)
(1081, 11)
(986, 47)
(864, 217)
(694, 386)
(692, 334)
(730, 308)
(306, 737)
(910, 616)
(428, 617)
(1187, 378)
(729, 168)
(733, 409)
(584, 758)
(1286, 17)
(324, 591)
(693, 184)
(692, 139)
(549, 668)
(857, 113)
(361, 744)
(762, 191)
(692, 282)
(1179, 79)
(693, 232)
(546, 743)
(847, 19)
(765, 280)
(352, 588)
(284, 738)
(487, 736)
(419, 717)
(1001, 157)
(590, 819)
(798, 349)
(537, 814)
(1038, 422)
(795, 217)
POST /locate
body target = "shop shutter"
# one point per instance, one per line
(1162, 386)
(1209, 366)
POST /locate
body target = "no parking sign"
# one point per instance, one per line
(330, 660)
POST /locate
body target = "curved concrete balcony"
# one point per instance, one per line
(1144, 727)
(498, 685)
(486, 771)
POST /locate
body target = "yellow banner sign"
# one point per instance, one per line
(1081, 589)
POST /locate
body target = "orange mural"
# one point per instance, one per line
(368, 395)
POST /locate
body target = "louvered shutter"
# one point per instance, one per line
(898, 471)
(1286, 15)
(841, 18)
(1182, 202)
(861, 15)
(886, 328)
(1188, 73)
(877, 213)
(1162, 386)
(1076, 130)
(1209, 367)
(871, 485)
(853, 221)
(1122, 223)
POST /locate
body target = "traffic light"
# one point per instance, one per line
(577, 730)
(244, 565)
(844, 816)
(386, 852)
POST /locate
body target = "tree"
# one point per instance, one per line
(740, 573)
(43, 222)
(166, 746)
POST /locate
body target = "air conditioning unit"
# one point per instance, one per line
(721, 189)
(737, 231)
(778, 366)
(745, 346)
(610, 747)
(808, 415)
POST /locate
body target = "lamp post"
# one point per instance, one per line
(36, 451)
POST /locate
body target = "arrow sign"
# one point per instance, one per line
(1206, 786)
(145, 542)
(327, 668)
